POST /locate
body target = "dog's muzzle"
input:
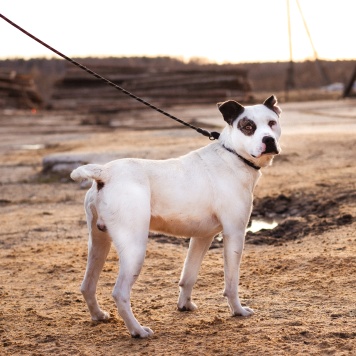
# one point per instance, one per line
(271, 146)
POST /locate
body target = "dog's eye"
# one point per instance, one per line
(271, 123)
(247, 127)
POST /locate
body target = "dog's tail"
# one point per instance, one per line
(89, 171)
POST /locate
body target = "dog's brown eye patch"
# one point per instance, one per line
(271, 123)
(247, 126)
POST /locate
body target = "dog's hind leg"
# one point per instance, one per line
(131, 247)
(130, 235)
(197, 250)
(98, 249)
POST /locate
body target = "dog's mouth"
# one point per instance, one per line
(270, 152)
(274, 152)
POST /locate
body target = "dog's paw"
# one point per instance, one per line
(102, 316)
(243, 311)
(143, 333)
(188, 306)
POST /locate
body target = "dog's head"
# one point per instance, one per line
(252, 131)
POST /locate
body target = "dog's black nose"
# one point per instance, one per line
(270, 143)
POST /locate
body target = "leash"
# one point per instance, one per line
(212, 135)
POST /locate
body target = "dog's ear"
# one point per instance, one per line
(271, 103)
(230, 110)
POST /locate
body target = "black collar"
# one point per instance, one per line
(249, 163)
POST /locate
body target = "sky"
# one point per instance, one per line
(220, 31)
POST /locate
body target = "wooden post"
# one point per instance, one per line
(349, 86)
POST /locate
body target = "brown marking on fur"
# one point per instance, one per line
(100, 184)
(101, 227)
(246, 126)
(177, 227)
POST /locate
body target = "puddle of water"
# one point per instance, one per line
(256, 225)
(32, 147)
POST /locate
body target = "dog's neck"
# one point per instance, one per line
(246, 161)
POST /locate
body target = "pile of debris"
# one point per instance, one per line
(165, 86)
(18, 91)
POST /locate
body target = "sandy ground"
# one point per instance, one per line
(299, 278)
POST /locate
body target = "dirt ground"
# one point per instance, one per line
(300, 277)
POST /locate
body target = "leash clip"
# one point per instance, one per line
(214, 135)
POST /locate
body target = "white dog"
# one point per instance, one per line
(197, 195)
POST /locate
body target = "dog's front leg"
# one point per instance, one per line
(233, 247)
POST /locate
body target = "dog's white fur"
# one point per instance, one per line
(197, 195)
